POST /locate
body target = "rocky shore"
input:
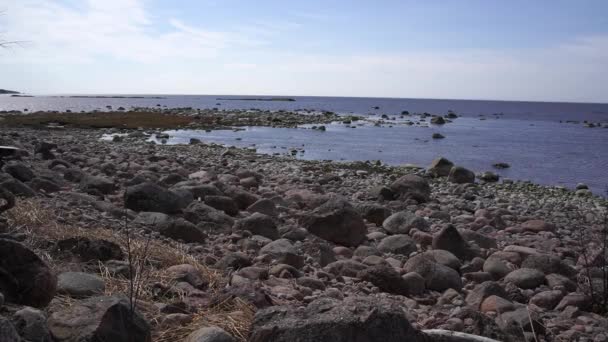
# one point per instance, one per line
(126, 240)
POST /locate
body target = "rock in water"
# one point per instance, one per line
(412, 187)
(152, 197)
(336, 221)
(99, 319)
(460, 175)
(440, 167)
(24, 278)
(361, 319)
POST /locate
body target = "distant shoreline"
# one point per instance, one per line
(257, 99)
(111, 97)
(6, 91)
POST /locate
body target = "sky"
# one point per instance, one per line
(542, 50)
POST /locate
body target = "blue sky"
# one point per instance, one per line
(511, 50)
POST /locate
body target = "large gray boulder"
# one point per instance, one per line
(440, 167)
(460, 175)
(151, 197)
(360, 319)
(336, 221)
(412, 187)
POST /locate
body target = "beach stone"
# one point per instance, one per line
(547, 299)
(187, 273)
(180, 229)
(284, 252)
(397, 244)
(443, 257)
(403, 222)
(489, 176)
(575, 299)
(209, 334)
(99, 319)
(548, 264)
(336, 221)
(94, 183)
(496, 266)
(17, 188)
(496, 304)
(411, 187)
(151, 218)
(258, 224)
(460, 175)
(45, 185)
(233, 261)
(557, 280)
(151, 197)
(537, 226)
(345, 268)
(480, 292)
(360, 319)
(449, 239)
(31, 325)
(437, 277)
(264, 206)
(385, 278)
(415, 283)
(374, 213)
(26, 279)
(79, 284)
(526, 278)
(200, 213)
(223, 203)
(8, 333)
(440, 167)
(19, 171)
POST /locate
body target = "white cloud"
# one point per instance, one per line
(116, 46)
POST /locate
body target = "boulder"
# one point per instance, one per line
(444, 257)
(180, 229)
(361, 319)
(449, 239)
(17, 188)
(223, 203)
(547, 299)
(437, 277)
(151, 197)
(345, 268)
(198, 212)
(385, 278)
(548, 264)
(403, 221)
(336, 221)
(99, 319)
(397, 244)
(374, 213)
(90, 250)
(440, 167)
(263, 206)
(526, 278)
(283, 251)
(25, 279)
(94, 183)
(19, 171)
(80, 284)
(482, 291)
(411, 187)
(258, 224)
(460, 175)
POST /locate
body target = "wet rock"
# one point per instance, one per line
(99, 319)
(79, 284)
(328, 320)
(336, 221)
(489, 176)
(25, 279)
(460, 175)
(402, 222)
(526, 278)
(152, 197)
(258, 224)
(411, 187)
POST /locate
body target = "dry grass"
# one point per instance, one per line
(129, 120)
(43, 228)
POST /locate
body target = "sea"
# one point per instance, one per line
(548, 143)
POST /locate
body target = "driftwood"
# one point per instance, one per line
(440, 335)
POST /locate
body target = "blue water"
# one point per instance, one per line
(533, 137)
